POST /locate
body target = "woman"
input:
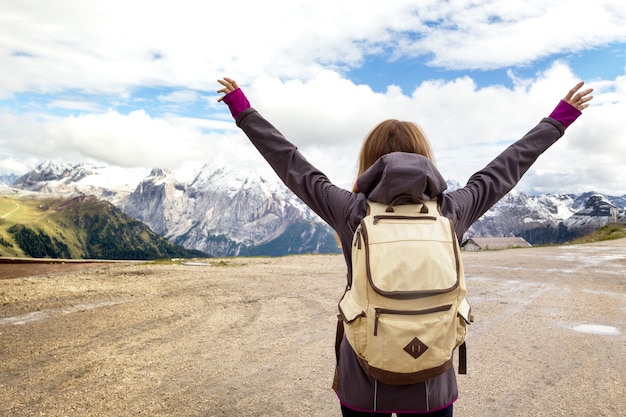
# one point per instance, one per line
(396, 159)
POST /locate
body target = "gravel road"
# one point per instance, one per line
(255, 336)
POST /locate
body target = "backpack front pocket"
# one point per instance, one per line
(399, 343)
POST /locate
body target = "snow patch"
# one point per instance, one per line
(597, 329)
(42, 314)
(24, 318)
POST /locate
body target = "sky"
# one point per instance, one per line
(133, 83)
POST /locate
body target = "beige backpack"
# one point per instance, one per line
(404, 310)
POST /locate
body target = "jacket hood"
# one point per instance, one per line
(399, 173)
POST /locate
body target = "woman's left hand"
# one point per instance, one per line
(580, 100)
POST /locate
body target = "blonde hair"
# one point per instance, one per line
(392, 136)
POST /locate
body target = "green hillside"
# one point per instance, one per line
(81, 227)
(611, 231)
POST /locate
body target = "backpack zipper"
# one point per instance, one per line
(381, 311)
(379, 217)
(357, 240)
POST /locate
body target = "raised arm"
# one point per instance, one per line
(330, 202)
(486, 187)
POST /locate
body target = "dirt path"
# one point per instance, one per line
(17, 207)
(11, 269)
(254, 337)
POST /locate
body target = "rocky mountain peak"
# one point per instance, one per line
(223, 211)
(597, 205)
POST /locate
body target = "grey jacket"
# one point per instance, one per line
(394, 174)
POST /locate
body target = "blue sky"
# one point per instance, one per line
(606, 62)
(132, 83)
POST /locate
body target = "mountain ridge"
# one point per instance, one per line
(225, 212)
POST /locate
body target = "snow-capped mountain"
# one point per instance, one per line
(595, 213)
(110, 183)
(8, 179)
(517, 212)
(221, 211)
(548, 218)
(216, 210)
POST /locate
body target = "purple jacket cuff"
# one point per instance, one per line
(565, 113)
(237, 102)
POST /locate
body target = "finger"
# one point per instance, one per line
(228, 87)
(222, 91)
(232, 82)
(229, 84)
(583, 93)
(573, 91)
(582, 103)
(585, 99)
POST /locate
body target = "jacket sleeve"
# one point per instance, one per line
(328, 201)
(486, 187)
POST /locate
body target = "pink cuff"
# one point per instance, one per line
(237, 102)
(565, 113)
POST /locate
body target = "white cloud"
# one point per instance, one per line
(72, 104)
(133, 140)
(115, 45)
(293, 59)
(124, 140)
(328, 116)
(15, 166)
(492, 34)
(181, 96)
(467, 125)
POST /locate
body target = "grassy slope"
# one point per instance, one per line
(609, 232)
(33, 212)
(90, 228)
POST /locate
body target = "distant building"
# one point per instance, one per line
(614, 214)
(494, 243)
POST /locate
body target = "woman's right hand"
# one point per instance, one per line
(229, 84)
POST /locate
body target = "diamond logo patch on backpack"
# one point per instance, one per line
(415, 348)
